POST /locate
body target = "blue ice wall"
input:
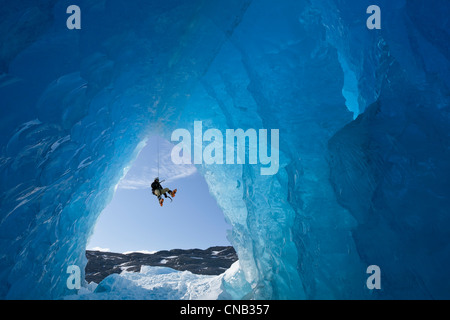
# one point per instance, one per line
(364, 141)
(390, 168)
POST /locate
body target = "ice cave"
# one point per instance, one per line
(364, 141)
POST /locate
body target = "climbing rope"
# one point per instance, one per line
(157, 151)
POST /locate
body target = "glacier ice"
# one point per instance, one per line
(364, 140)
(162, 283)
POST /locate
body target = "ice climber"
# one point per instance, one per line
(158, 191)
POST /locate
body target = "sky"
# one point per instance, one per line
(134, 220)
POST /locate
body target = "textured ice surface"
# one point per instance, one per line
(153, 283)
(161, 283)
(76, 105)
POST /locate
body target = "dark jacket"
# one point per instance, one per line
(156, 185)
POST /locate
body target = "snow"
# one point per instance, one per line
(100, 249)
(216, 252)
(140, 251)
